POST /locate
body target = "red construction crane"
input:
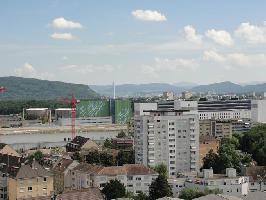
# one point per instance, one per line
(73, 102)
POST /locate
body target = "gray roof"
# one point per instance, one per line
(169, 198)
(217, 197)
(31, 171)
(255, 196)
(84, 194)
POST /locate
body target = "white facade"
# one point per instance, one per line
(168, 95)
(257, 186)
(229, 184)
(228, 115)
(177, 185)
(169, 137)
(140, 107)
(132, 183)
(258, 111)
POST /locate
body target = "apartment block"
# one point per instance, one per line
(215, 128)
(170, 137)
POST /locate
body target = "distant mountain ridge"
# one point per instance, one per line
(34, 89)
(125, 90)
(159, 88)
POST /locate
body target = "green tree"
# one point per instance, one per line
(192, 193)
(99, 158)
(108, 144)
(93, 157)
(210, 160)
(121, 134)
(227, 157)
(161, 169)
(77, 156)
(125, 157)
(254, 143)
(141, 196)
(38, 156)
(106, 159)
(113, 190)
(160, 188)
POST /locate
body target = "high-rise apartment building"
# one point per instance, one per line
(170, 137)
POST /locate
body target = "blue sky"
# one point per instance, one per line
(140, 41)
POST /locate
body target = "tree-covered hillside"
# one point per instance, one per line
(34, 89)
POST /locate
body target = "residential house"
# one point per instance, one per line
(135, 177)
(61, 174)
(257, 177)
(228, 184)
(84, 194)
(82, 176)
(80, 143)
(28, 181)
(7, 162)
(6, 149)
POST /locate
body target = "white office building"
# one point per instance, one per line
(139, 108)
(258, 111)
(170, 137)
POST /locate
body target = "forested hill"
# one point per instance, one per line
(18, 88)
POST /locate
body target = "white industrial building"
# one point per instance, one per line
(170, 137)
(255, 110)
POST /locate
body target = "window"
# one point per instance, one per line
(102, 184)
(29, 189)
(138, 178)
(44, 179)
(21, 189)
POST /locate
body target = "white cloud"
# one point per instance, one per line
(169, 66)
(62, 36)
(213, 56)
(247, 60)
(61, 23)
(90, 68)
(149, 15)
(28, 71)
(64, 58)
(236, 60)
(191, 35)
(220, 37)
(251, 33)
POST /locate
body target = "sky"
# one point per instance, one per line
(134, 41)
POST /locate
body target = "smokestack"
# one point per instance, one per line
(114, 89)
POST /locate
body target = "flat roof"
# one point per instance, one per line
(181, 110)
(63, 109)
(37, 109)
